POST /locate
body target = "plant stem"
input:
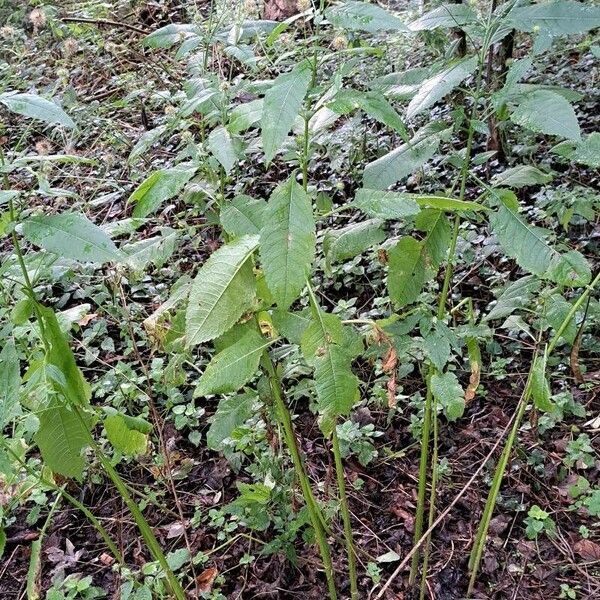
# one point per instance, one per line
(481, 536)
(339, 472)
(316, 515)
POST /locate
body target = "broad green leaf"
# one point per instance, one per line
(291, 325)
(514, 296)
(36, 107)
(521, 176)
(363, 16)
(62, 436)
(243, 216)
(71, 235)
(440, 85)
(373, 103)
(281, 106)
(446, 15)
(74, 390)
(323, 346)
(449, 394)
(556, 18)
(556, 311)
(447, 204)
(522, 241)
(128, 435)
(6, 195)
(223, 289)
(154, 250)
(169, 35)
(546, 112)
(404, 160)
(287, 242)
(526, 244)
(570, 269)
(145, 142)
(231, 413)
(435, 224)
(354, 239)
(161, 186)
(437, 348)
(222, 147)
(586, 151)
(245, 115)
(408, 271)
(385, 205)
(540, 388)
(10, 381)
(234, 366)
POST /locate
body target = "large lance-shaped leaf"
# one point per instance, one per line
(62, 437)
(169, 35)
(223, 289)
(449, 394)
(385, 205)
(64, 429)
(406, 159)
(36, 107)
(547, 112)
(363, 16)
(556, 18)
(222, 146)
(348, 242)
(335, 383)
(244, 215)
(71, 235)
(128, 435)
(287, 242)
(526, 244)
(281, 106)
(231, 368)
(408, 271)
(231, 413)
(10, 380)
(446, 15)
(440, 85)
(161, 186)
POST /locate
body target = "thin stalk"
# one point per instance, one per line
(316, 516)
(76, 503)
(339, 472)
(481, 536)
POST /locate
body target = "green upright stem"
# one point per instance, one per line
(339, 472)
(316, 516)
(481, 536)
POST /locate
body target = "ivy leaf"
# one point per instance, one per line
(36, 107)
(71, 235)
(281, 106)
(363, 16)
(223, 289)
(405, 159)
(287, 242)
(547, 112)
(440, 85)
(231, 413)
(243, 216)
(10, 381)
(348, 242)
(234, 366)
(449, 394)
(161, 186)
(446, 15)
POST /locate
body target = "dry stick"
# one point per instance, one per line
(105, 22)
(443, 515)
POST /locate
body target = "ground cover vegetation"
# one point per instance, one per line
(299, 299)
